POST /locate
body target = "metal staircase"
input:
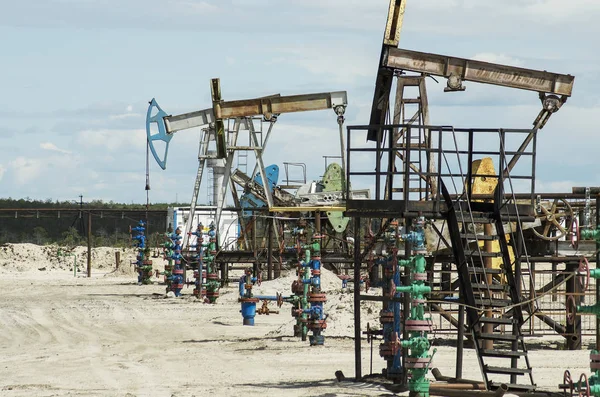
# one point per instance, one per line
(491, 295)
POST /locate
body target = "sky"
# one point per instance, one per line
(76, 77)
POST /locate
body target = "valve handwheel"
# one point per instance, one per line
(583, 380)
(584, 267)
(568, 381)
(551, 219)
(392, 291)
(575, 233)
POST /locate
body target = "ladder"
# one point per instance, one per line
(413, 111)
(493, 313)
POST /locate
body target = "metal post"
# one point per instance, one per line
(117, 258)
(460, 341)
(357, 341)
(270, 248)
(318, 222)
(597, 266)
(89, 245)
(488, 262)
(573, 330)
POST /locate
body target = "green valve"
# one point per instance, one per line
(589, 234)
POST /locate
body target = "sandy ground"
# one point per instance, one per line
(62, 335)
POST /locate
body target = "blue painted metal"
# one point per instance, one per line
(176, 277)
(143, 265)
(162, 134)
(249, 200)
(248, 301)
(249, 312)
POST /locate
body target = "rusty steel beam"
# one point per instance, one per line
(480, 72)
(393, 26)
(276, 105)
(189, 120)
(385, 76)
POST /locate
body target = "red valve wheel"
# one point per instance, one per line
(575, 233)
(583, 380)
(568, 381)
(584, 267)
(392, 291)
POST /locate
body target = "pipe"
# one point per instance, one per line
(446, 315)
(446, 392)
(457, 386)
(437, 375)
(241, 285)
(501, 390)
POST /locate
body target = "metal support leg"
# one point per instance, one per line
(460, 341)
(357, 333)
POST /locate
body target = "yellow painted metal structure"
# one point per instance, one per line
(484, 183)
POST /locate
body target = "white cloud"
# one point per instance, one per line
(113, 140)
(336, 63)
(2, 171)
(497, 58)
(25, 169)
(124, 116)
(52, 147)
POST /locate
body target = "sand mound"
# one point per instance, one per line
(31, 257)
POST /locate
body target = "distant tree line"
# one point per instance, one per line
(69, 228)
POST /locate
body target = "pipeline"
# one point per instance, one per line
(199, 282)
(307, 298)
(176, 277)
(143, 265)
(167, 254)
(390, 316)
(212, 284)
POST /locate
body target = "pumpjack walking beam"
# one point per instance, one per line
(268, 107)
(457, 70)
(385, 75)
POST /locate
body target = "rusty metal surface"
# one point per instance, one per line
(395, 19)
(480, 72)
(276, 105)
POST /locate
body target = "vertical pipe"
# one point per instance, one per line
(270, 248)
(597, 266)
(117, 259)
(406, 281)
(460, 341)
(347, 186)
(318, 222)
(357, 341)
(378, 167)
(573, 330)
(488, 262)
(89, 245)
